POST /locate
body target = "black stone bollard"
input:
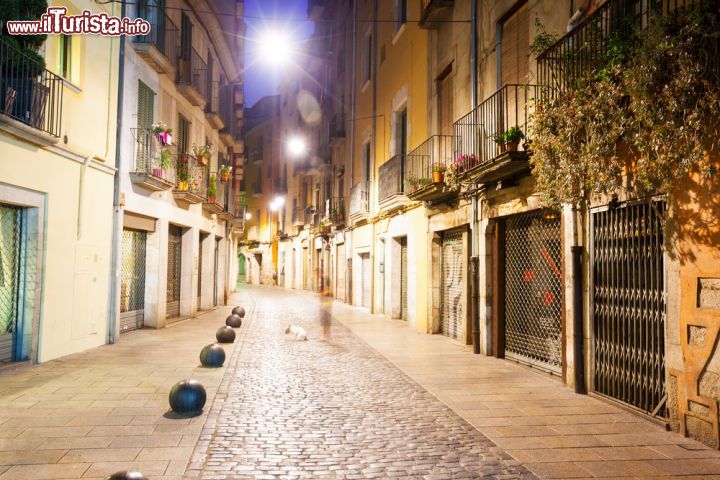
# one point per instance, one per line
(125, 475)
(233, 321)
(225, 334)
(239, 311)
(212, 355)
(187, 396)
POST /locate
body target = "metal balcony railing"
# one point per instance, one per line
(29, 93)
(191, 175)
(164, 34)
(335, 210)
(578, 54)
(391, 178)
(212, 96)
(193, 71)
(480, 133)
(152, 156)
(360, 198)
(226, 104)
(434, 10)
(437, 152)
(337, 126)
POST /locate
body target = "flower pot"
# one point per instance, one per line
(157, 172)
(164, 138)
(184, 159)
(203, 161)
(512, 146)
(224, 177)
(183, 185)
(212, 198)
(438, 177)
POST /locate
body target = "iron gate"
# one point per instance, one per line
(10, 257)
(132, 282)
(533, 290)
(200, 264)
(403, 279)
(628, 304)
(451, 307)
(173, 271)
(365, 280)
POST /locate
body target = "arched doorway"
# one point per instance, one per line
(241, 269)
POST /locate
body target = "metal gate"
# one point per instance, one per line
(132, 281)
(403, 279)
(628, 304)
(173, 271)
(451, 301)
(533, 290)
(200, 265)
(10, 258)
(365, 271)
(217, 272)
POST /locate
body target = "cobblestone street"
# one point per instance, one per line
(333, 409)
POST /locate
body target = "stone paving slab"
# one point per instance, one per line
(93, 413)
(541, 423)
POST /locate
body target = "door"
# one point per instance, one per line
(340, 273)
(173, 271)
(366, 273)
(445, 103)
(199, 277)
(10, 284)
(403, 279)
(306, 268)
(132, 280)
(216, 272)
(453, 278)
(241, 268)
(533, 300)
(628, 305)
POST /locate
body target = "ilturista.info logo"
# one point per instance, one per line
(57, 22)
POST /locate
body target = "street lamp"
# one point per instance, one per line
(296, 146)
(275, 47)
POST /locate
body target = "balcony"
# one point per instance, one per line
(154, 168)
(160, 47)
(256, 188)
(30, 98)
(320, 162)
(212, 107)
(217, 192)
(337, 129)
(491, 138)
(192, 77)
(334, 214)
(577, 55)
(427, 169)
(191, 181)
(302, 216)
(360, 201)
(280, 185)
(391, 183)
(434, 11)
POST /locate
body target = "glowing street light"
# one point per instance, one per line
(277, 203)
(275, 47)
(248, 216)
(296, 146)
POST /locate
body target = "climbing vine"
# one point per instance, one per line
(643, 119)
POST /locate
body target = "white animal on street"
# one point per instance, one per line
(299, 332)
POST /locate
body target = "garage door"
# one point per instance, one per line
(173, 271)
(451, 306)
(132, 283)
(366, 273)
(533, 290)
(403, 279)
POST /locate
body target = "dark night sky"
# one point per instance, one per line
(262, 15)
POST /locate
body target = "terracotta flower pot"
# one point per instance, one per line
(212, 198)
(438, 177)
(512, 146)
(224, 177)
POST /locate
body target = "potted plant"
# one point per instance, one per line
(164, 163)
(438, 173)
(225, 173)
(212, 188)
(202, 153)
(163, 134)
(422, 182)
(183, 179)
(509, 139)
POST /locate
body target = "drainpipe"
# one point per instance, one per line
(117, 208)
(474, 260)
(374, 150)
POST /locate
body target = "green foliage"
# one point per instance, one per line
(543, 40)
(212, 185)
(654, 100)
(27, 44)
(165, 159)
(439, 168)
(512, 135)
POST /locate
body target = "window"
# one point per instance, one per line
(366, 59)
(516, 47)
(401, 130)
(145, 106)
(183, 134)
(366, 161)
(399, 14)
(65, 57)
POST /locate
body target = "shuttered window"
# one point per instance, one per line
(145, 106)
(516, 47)
(183, 133)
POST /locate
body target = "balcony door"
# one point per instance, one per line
(445, 103)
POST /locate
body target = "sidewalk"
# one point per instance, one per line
(540, 422)
(90, 414)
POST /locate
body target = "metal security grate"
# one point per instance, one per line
(403, 279)
(10, 258)
(173, 271)
(628, 304)
(533, 290)
(452, 284)
(132, 281)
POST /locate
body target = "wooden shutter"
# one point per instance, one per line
(145, 106)
(183, 131)
(445, 92)
(516, 47)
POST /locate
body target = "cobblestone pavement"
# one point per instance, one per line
(334, 409)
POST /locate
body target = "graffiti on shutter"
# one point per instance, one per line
(173, 271)
(403, 279)
(451, 308)
(132, 280)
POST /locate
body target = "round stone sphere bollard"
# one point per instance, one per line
(212, 355)
(239, 311)
(225, 334)
(233, 321)
(187, 396)
(125, 475)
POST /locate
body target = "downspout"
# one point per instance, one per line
(117, 208)
(371, 173)
(474, 259)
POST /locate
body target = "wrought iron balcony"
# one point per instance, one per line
(427, 166)
(337, 127)
(433, 11)
(391, 178)
(30, 95)
(191, 180)
(155, 162)
(334, 211)
(192, 77)
(578, 54)
(159, 48)
(360, 199)
(495, 130)
(212, 107)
